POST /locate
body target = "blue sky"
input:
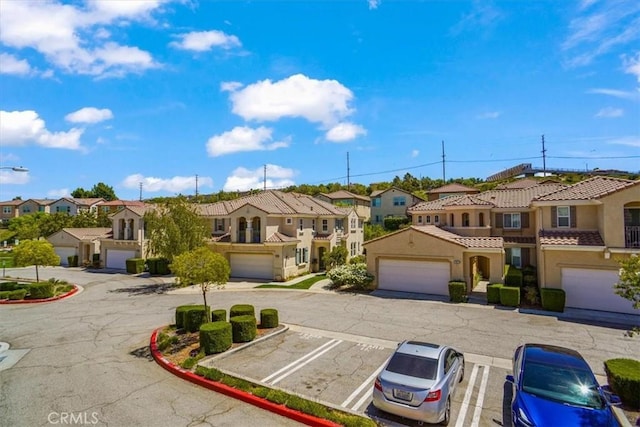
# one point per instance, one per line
(159, 92)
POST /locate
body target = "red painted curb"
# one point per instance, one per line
(32, 301)
(232, 392)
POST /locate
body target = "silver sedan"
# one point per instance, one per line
(418, 381)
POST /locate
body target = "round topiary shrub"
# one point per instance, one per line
(215, 337)
(242, 310)
(219, 315)
(40, 290)
(195, 316)
(180, 310)
(269, 318)
(244, 328)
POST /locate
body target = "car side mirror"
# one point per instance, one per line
(509, 379)
(612, 399)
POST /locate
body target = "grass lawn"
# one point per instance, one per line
(6, 260)
(305, 284)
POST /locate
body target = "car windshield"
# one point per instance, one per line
(562, 384)
(413, 366)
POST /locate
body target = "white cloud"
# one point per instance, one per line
(373, 4)
(58, 193)
(343, 132)
(489, 115)
(415, 153)
(623, 94)
(610, 112)
(483, 15)
(24, 127)
(318, 101)
(243, 179)
(177, 184)
(201, 41)
(243, 138)
(630, 141)
(63, 34)
(89, 115)
(632, 65)
(9, 64)
(230, 86)
(11, 177)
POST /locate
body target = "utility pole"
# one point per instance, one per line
(265, 177)
(141, 191)
(348, 173)
(196, 188)
(444, 176)
(544, 158)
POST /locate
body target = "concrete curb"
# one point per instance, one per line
(72, 292)
(232, 392)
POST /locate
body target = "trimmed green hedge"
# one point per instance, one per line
(493, 293)
(41, 290)
(195, 316)
(553, 299)
(623, 376)
(12, 286)
(244, 328)
(215, 337)
(72, 260)
(135, 265)
(219, 315)
(513, 277)
(457, 291)
(15, 294)
(158, 266)
(242, 310)
(269, 318)
(180, 310)
(510, 296)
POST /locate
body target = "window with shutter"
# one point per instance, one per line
(554, 216)
(524, 219)
(499, 220)
(573, 217)
(563, 216)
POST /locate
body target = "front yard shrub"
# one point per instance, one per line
(5, 294)
(72, 260)
(553, 299)
(219, 315)
(18, 294)
(623, 376)
(41, 290)
(351, 275)
(531, 295)
(163, 266)
(152, 266)
(269, 318)
(513, 277)
(510, 296)
(394, 223)
(195, 316)
(359, 259)
(135, 265)
(244, 328)
(215, 337)
(11, 286)
(242, 310)
(493, 293)
(180, 310)
(457, 291)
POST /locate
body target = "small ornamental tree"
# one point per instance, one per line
(35, 252)
(629, 285)
(202, 267)
(337, 256)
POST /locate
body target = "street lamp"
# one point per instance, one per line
(15, 168)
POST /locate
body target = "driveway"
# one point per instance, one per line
(88, 354)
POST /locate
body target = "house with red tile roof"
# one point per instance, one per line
(389, 203)
(344, 198)
(80, 242)
(453, 189)
(572, 235)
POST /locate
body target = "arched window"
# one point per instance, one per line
(465, 219)
(451, 223)
(481, 219)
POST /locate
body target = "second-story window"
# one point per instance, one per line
(511, 220)
(564, 216)
(428, 219)
(340, 224)
(436, 219)
(481, 219)
(399, 201)
(353, 223)
(419, 219)
(300, 224)
(465, 219)
(375, 202)
(313, 224)
(26, 209)
(325, 225)
(6, 209)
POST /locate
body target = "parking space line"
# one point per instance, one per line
(480, 401)
(467, 397)
(295, 362)
(362, 386)
(301, 362)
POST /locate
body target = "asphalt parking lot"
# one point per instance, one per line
(339, 370)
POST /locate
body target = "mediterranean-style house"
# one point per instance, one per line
(35, 205)
(345, 198)
(72, 205)
(127, 239)
(573, 236)
(9, 210)
(392, 202)
(83, 242)
(453, 189)
(113, 206)
(275, 235)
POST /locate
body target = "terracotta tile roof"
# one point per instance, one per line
(89, 233)
(123, 203)
(454, 188)
(323, 236)
(529, 240)
(377, 193)
(343, 194)
(520, 183)
(85, 201)
(12, 202)
(280, 238)
(274, 202)
(466, 200)
(467, 242)
(571, 238)
(592, 188)
(42, 202)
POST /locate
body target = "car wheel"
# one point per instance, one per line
(447, 413)
(462, 373)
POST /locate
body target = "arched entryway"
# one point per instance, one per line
(480, 269)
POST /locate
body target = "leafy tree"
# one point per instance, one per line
(629, 285)
(52, 223)
(373, 231)
(202, 267)
(174, 228)
(35, 252)
(99, 190)
(80, 193)
(337, 256)
(27, 227)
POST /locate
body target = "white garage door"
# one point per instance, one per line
(593, 289)
(424, 277)
(252, 266)
(64, 253)
(117, 259)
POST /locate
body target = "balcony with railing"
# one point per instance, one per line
(632, 236)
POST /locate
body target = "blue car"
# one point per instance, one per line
(554, 386)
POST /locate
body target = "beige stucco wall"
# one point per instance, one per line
(530, 231)
(387, 208)
(138, 224)
(611, 219)
(586, 217)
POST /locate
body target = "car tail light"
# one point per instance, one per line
(433, 396)
(377, 385)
